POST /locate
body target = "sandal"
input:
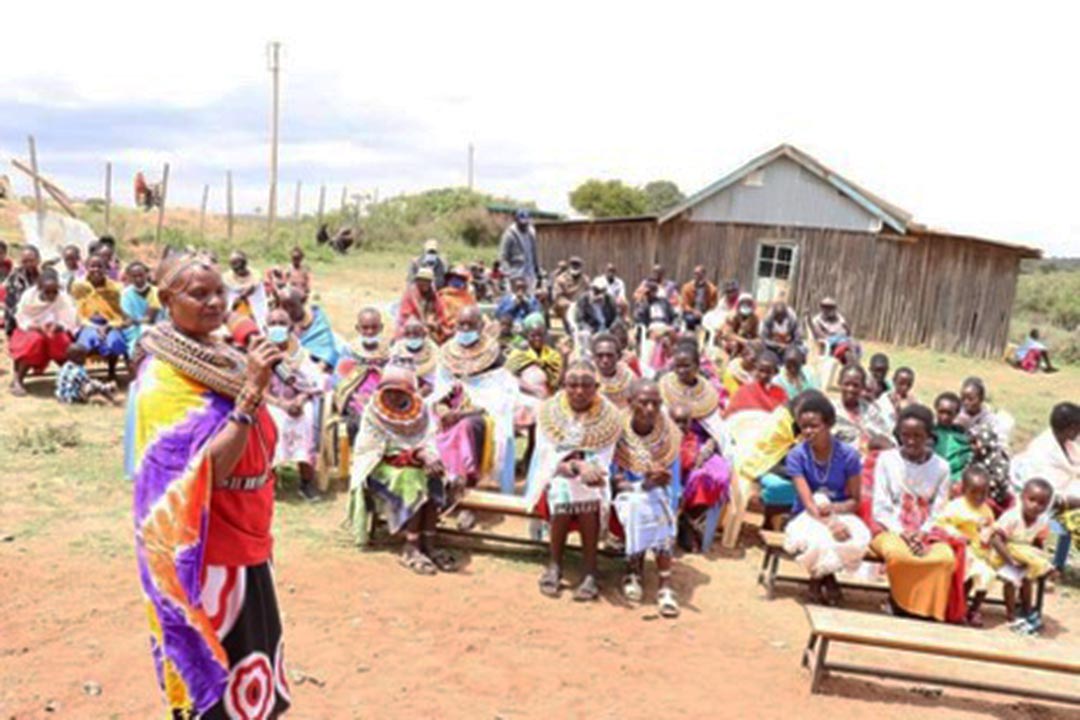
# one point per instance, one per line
(975, 619)
(418, 562)
(667, 602)
(446, 561)
(588, 590)
(551, 582)
(466, 520)
(631, 588)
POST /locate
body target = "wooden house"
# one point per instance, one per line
(785, 223)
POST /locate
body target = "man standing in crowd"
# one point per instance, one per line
(517, 250)
(430, 259)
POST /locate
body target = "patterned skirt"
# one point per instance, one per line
(243, 609)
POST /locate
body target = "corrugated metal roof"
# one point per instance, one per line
(889, 214)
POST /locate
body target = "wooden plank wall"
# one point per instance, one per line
(946, 293)
(941, 292)
(631, 245)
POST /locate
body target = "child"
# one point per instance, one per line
(1017, 537)
(901, 395)
(74, 384)
(969, 516)
(879, 372)
(953, 444)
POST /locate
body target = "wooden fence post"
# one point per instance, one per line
(202, 212)
(108, 194)
(161, 204)
(228, 205)
(322, 203)
(39, 202)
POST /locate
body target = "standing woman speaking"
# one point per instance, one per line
(203, 445)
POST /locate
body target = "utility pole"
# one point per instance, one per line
(202, 213)
(273, 58)
(472, 156)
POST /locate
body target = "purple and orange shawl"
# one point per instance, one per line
(174, 418)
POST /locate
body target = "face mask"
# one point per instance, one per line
(414, 343)
(277, 334)
(468, 337)
(456, 282)
(744, 310)
(575, 272)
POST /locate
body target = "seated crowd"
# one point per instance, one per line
(645, 416)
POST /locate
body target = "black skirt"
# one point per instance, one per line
(243, 607)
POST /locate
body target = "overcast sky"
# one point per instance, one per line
(965, 114)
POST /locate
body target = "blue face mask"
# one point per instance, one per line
(414, 343)
(455, 282)
(277, 334)
(468, 337)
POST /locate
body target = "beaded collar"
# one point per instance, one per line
(700, 398)
(408, 422)
(468, 361)
(617, 387)
(592, 430)
(640, 453)
(423, 361)
(377, 355)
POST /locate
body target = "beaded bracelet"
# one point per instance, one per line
(241, 418)
(248, 400)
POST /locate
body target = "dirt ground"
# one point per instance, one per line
(366, 639)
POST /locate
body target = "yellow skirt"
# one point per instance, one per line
(919, 584)
(1037, 563)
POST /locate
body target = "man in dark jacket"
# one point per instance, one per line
(518, 252)
(595, 309)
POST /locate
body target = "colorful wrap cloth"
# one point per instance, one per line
(174, 419)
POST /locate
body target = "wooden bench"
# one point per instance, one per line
(497, 503)
(829, 625)
(769, 575)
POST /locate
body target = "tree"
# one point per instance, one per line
(661, 195)
(608, 198)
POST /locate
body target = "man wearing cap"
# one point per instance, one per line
(430, 259)
(829, 327)
(517, 250)
(697, 297)
(595, 309)
(568, 287)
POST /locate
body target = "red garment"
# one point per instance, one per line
(755, 396)
(633, 363)
(34, 349)
(956, 608)
(412, 307)
(866, 497)
(1030, 361)
(239, 529)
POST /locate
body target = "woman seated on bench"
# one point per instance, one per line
(569, 479)
(911, 487)
(695, 405)
(98, 301)
(825, 534)
(647, 486)
(43, 319)
(396, 463)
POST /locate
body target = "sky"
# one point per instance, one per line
(964, 114)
